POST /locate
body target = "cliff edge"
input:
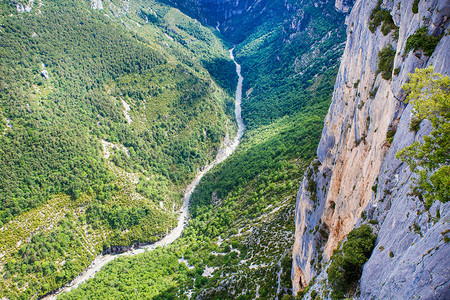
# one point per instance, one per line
(357, 179)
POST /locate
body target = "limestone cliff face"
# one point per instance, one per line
(357, 171)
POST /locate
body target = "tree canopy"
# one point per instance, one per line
(429, 95)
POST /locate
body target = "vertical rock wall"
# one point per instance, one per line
(355, 160)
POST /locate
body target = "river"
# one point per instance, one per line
(224, 152)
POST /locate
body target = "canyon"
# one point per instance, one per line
(128, 158)
(358, 177)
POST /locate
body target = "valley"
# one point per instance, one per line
(261, 178)
(69, 203)
(246, 202)
(137, 163)
(226, 150)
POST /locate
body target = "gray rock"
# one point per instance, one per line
(44, 73)
(344, 5)
(97, 4)
(355, 158)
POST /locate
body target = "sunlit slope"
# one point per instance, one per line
(107, 114)
(238, 241)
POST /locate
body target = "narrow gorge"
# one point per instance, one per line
(137, 163)
(226, 150)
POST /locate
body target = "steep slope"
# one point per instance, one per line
(356, 179)
(106, 116)
(238, 240)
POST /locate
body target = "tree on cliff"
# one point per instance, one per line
(429, 93)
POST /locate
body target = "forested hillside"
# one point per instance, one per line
(238, 240)
(106, 116)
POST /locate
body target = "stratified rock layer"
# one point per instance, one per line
(357, 172)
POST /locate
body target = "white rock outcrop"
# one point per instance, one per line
(96, 4)
(27, 7)
(45, 74)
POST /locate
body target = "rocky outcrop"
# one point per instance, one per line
(344, 5)
(96, 4)
(357, 173)
(24, 7)
(44, 73)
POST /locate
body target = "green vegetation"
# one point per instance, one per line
(284, 77)
(429, 160)
(235, 212)
(247, 201)
(43, 258)
(290, 142)
(415, 124)
(126, 278)
(58, 188)
(382, 17)
(421, 40)
(237, 29)
(346, 263)
(386, 61)
(415, 6)
(35, 163)
(390, 134)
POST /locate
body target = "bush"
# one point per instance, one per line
(415, 6)
(373, 92)
(381, 17)
(415, 124)
(390, 135)
(421, 40)
(386, 61)
(311, 188)
(429, 94)
(346, 264)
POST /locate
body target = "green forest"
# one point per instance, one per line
(66, 71)
(109, 109)
(247, 201)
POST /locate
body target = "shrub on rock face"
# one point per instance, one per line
(382, 17)
(421, 40)
(415, 6)
(429, 93)
(386, 61)
(346, 263)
